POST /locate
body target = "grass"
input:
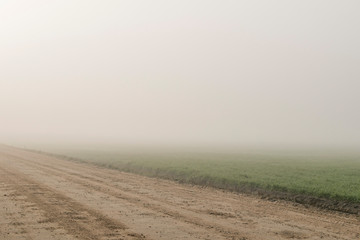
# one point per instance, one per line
(334, 177)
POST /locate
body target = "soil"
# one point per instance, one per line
(46, 197)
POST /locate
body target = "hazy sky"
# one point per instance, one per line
(195, 72)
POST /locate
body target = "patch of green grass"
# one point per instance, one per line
(334, 177)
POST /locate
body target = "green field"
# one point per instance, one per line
(335, 176)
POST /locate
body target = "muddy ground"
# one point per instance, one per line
(45, 197)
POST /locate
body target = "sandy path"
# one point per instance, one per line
(44, 197)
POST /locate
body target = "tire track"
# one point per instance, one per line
(78, 220)
(139, 201)
(12, 214)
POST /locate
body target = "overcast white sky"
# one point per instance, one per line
(181, 72)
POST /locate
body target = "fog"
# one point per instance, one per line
(194, 73)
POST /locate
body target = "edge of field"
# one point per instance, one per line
(251, 189)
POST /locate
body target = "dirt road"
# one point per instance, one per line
(44, 197)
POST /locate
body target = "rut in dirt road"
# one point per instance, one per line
(75, 218)
(69, 200)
